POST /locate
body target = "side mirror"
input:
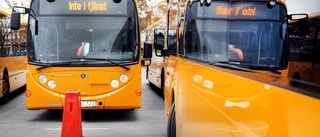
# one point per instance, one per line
(147, 50)
(15, 21)
(304, 26)
(159, 42)
(147, 54)
(15, 17)
(303, 21)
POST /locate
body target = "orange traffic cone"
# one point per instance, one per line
(72, 120)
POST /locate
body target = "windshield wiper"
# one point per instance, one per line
(60, 64)
(100, 59)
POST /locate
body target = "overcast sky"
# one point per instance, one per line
(303, 6)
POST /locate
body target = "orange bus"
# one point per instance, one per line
(218, 75)
(304, 61)
(13, 67)
(89, 46)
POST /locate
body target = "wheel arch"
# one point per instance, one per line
(5, 71)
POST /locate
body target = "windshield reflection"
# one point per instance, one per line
(259, 41)
(64, 38)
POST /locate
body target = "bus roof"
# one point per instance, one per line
(4, 13)
(314, 15)
(310, 16)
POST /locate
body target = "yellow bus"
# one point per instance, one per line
(89, 46)
(224, 75)
(304, 61)
(13, 67)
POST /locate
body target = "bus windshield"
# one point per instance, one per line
(66, 31)
(242, 33)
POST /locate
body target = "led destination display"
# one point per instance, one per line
(83, 7)
(237, 10)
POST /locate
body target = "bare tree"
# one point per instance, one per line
(12, 3)
(151, 11)
(5, 21)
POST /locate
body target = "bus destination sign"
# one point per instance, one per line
(248, 11)
(238, 10)
(90, 6)
(83, 7)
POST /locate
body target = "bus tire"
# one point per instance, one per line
(5, 89)
(171, 127)
(162, 82)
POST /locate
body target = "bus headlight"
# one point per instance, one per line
(52, 84)
(114, 83)
(123, 78)
(43, 78)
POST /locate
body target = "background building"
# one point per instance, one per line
(12, 43)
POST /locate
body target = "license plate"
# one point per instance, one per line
(88, 103)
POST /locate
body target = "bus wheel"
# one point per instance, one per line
(171, 127)
(162, 82)
(5, 89)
